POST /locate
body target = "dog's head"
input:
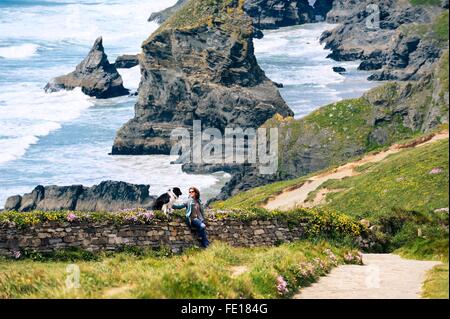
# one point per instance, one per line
(177, 191)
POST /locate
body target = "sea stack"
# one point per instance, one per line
(199, 65)
(95, 75)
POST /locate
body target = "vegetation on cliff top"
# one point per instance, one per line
(198, 13)
(436, 31)
(226, 272)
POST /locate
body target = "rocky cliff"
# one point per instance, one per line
(107, 196)
(267, 14)
(199, 65)
(95, 75)
(395, 39)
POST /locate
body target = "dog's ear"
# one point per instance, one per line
(177, 191)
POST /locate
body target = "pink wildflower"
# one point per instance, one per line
(282, 285)
(72, 217)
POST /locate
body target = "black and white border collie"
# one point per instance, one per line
(166, 200)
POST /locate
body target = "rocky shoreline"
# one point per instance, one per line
(107, 196)
(390, 46)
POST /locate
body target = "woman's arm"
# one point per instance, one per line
(179, 206)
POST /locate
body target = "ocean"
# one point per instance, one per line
(64, 138)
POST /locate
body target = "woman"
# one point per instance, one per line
(195, 214)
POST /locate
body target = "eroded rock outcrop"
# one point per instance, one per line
(266, 14)
(107, 196)
(127, 61)
(273, 14)
(95, 75)
(386, 37)
(199, 65)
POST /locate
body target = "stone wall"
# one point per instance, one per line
(50, 236)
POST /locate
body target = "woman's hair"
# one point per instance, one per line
(196, 191)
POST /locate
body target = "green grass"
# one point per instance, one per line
(401, 182)
(440, 27)
(425, 2)
(436, 283)
(436, 31)
(195, 274)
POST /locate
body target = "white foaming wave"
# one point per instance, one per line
(319, 76)
(29, 113)
(23, 51)
(267, 45)
(299, 41)
(111, 20)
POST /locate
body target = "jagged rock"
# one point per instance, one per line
(339, 69)
(322, 7)
(386, 46)
(207, 72)
(273, 14)
(95, 75)
(13, 202)
(161, 16)
(127, 61)
(107, 196)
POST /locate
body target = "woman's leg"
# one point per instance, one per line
(201, 229)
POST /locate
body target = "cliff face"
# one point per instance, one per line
(272, 14)
(402, 46)
(199, 65)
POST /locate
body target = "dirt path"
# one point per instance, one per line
(297, 197)
(383, 276)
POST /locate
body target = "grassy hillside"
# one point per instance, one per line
(404, 181)
(260, 195)
(218, 272)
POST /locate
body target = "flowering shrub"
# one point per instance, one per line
(71, 217)
(317, 221)
(353, 258)
(126, 216)
(282, 286)
(331, 256)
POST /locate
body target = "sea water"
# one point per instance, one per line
(64, 138)
(294, 57)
